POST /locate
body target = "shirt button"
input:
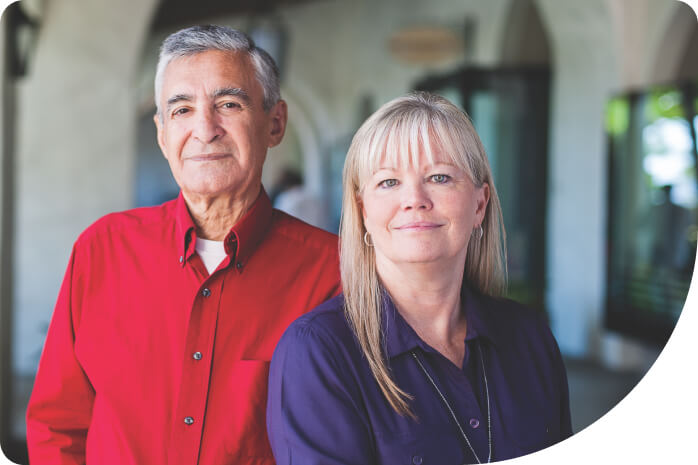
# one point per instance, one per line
(188, 420)
(238, 265)
(474, 422)
(181, 259)
(197, 355)
(417, 460)
(206, 292)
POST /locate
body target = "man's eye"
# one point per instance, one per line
(440, 178)
(230, 105)
(388, 183)
(180, 111)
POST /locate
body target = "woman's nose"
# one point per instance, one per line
(416, 196)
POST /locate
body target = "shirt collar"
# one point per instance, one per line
(401, 338)
(243, 238)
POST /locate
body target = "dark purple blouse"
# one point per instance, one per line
(326, 408)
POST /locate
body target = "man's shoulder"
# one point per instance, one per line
(131, 220)
(302, 233)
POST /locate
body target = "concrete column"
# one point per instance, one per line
(585, 70)
(75, 146)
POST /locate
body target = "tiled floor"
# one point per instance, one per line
(595, 390)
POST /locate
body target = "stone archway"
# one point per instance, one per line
(525, 39)
(70, 167)
(676, 57)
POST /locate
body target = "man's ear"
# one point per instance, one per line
(161, 137)
(279, 117)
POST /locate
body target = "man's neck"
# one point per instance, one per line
(214, 216)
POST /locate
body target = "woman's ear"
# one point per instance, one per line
(483, 198)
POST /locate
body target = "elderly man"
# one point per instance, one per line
(158, 351)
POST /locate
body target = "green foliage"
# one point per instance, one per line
(663, 102)
(617, 116)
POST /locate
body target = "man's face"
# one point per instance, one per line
(214, 131)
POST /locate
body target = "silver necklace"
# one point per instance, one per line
(453, 415)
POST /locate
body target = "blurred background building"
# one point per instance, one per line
(587, 111)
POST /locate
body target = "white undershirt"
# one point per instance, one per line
(212, 253)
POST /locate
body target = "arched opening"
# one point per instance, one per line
(677, 55)
(525, 41)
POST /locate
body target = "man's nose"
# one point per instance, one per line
(206, 126)
(416, 196)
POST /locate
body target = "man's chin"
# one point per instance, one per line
(206, 190)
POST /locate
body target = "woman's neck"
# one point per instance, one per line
(428, 296)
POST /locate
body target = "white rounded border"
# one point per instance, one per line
(655, 423)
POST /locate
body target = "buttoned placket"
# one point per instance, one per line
(465, 405)
(188, 418)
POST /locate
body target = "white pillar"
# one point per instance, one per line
(584, 72)
(75, 146)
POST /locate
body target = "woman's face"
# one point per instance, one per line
(422, 214)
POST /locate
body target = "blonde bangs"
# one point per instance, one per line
(397, 139)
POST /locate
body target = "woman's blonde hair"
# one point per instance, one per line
(398, 131)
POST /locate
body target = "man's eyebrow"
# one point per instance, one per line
(178, 98)
(232, 92)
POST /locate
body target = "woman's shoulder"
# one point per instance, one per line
(506, 309)
(513, 321)
(324, 325)
(326, 317)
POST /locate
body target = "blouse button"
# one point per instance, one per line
(474, 422)
(417, 460)
(238, 265)
(197, 355)
(188, 420)
(206, 292)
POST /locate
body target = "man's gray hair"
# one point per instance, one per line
(198, 39)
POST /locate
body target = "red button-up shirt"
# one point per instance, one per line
(149, 360)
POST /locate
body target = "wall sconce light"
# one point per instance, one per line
(433, 44)
(22, 33)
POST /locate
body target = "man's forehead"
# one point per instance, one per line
(210, 72)
(213, 68)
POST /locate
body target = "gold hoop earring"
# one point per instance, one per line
(366, 239)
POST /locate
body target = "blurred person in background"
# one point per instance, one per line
(420, 360)
(159, 346)
(292, 196)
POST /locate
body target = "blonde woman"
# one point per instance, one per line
(420, 361)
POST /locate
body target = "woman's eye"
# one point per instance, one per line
(440, 178)
(388, 183)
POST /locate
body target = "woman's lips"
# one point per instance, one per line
(419, 226)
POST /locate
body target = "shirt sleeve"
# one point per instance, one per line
(560, 374)
(314, 413)
(565, 416)
(60, 407)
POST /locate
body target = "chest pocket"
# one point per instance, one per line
(248, 416)
(431, 446)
